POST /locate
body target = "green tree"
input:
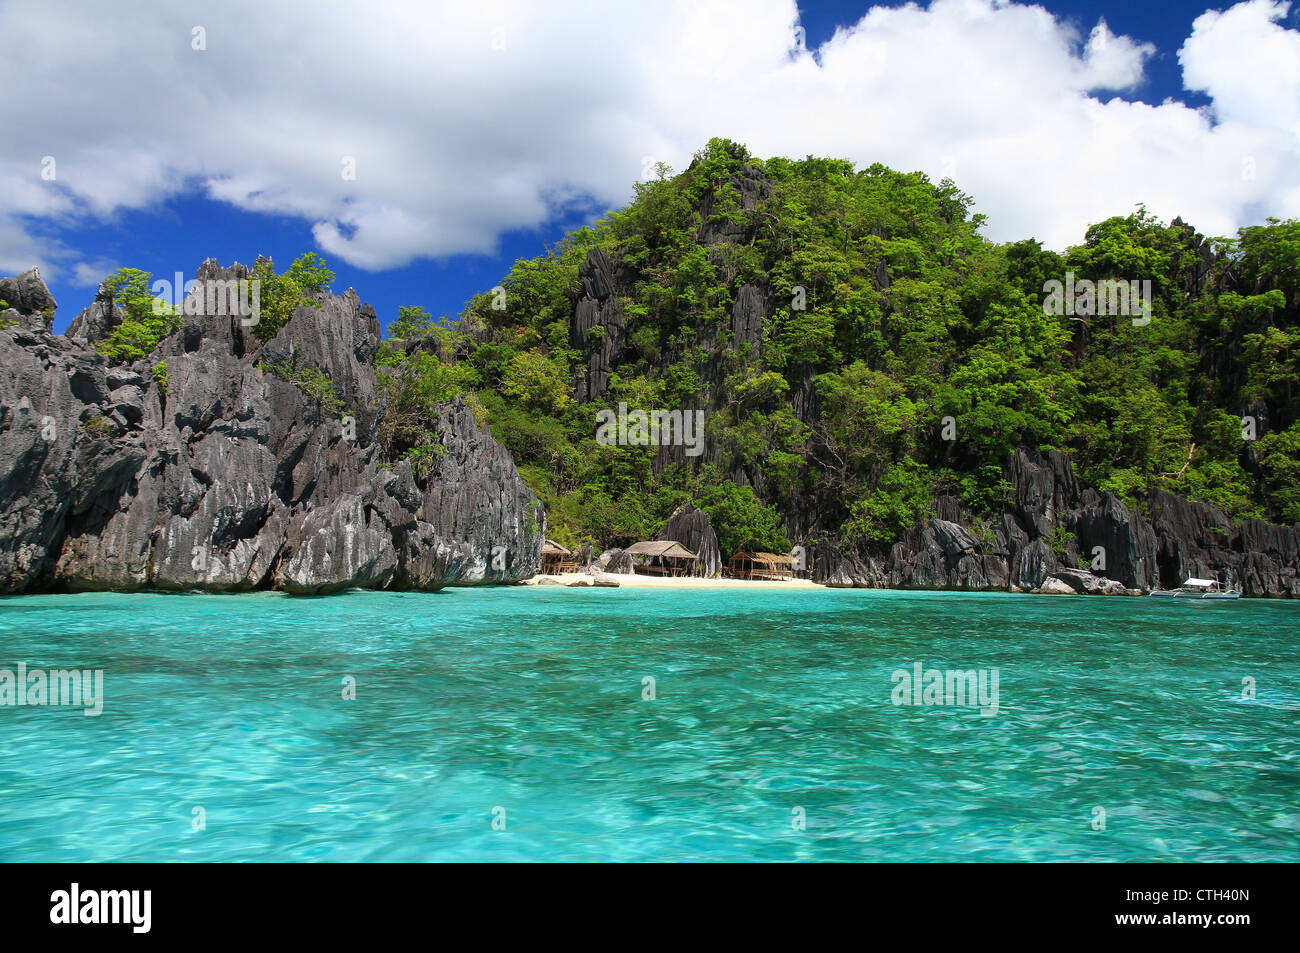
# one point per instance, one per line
(146, 320)
(309, 273)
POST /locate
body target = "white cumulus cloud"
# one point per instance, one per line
(417, 130)
(88, 274)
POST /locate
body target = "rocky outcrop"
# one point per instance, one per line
(750, 187)
(1056, 536)
(25, 301)
(97, 321)
(1082, 581)
(618, 561)
(231, 478)
(1117, 541)
(1196, 539)
(1043, 488)
(1053, 586)
(953, 539)
(747, 316)
(598, 327)
(691, 528)
(840, 567)
(1033, 564)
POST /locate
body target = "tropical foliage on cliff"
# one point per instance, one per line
(146, 319)
(903, 356)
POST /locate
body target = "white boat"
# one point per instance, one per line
(1196, 588)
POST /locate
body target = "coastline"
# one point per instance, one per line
(582, 580)
(637, 581)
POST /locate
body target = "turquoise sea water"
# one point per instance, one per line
(526, 704)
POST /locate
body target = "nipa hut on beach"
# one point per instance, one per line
(557, 559)
(752, 565)
(661, 557)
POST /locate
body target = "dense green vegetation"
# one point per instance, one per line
(904, 356)
(929, 351)
(413, 386)
(162, 376)
(282, 294)
(146, 320)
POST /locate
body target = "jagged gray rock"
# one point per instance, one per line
(1033, 564)
(599, 308)
(28, 301)
(747, 320)
(751, 186)
(691, 528)
(234, 479)
(618, 561)
(839, 567)
(1043, 488)
(1084, 582)
(96, 321)
(1126, 552)
(1127, 543)
(953, 539)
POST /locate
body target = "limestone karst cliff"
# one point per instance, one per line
(230, 478)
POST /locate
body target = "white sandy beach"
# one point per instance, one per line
(637, 581)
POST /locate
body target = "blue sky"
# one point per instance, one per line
(162, 213)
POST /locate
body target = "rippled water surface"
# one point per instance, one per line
(527, 705)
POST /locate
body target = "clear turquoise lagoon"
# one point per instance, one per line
(528, 705)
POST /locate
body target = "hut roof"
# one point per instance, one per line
(772, 559)
(551, 548)
(660, 547)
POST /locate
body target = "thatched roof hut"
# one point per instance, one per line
(758, 565)
(554, 558)
(661, 547)
(662, 557)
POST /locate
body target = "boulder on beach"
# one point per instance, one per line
(618, 561)
(1085, 582)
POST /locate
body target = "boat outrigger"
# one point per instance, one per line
(1195, 588)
